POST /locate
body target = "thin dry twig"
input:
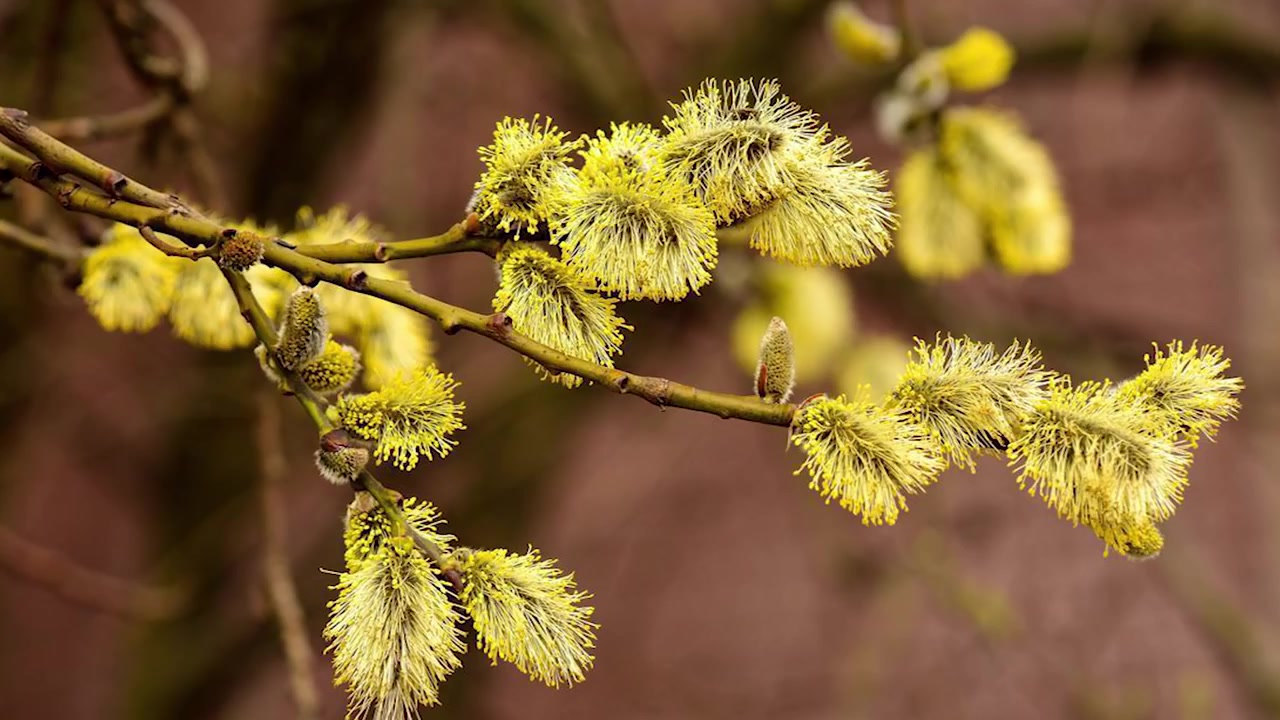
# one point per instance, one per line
(83, 586)
(282, 593)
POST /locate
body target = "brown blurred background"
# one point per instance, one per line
(724, 588)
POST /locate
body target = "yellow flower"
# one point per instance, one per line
(865, 457)
(970, 398)
(547, 302)
(1086, 452)
(128, 285)
(1032, 235)
(734, 143)
(525, 168)
(940, 235)
(1010, 180)
(630, 226)
(394, 340)
(393, 632)
(527, 613)
(411, 416)
(816, 304)
(830, 211)
(979, 60)
(1184, 391)
(776, 368)
(861, 38)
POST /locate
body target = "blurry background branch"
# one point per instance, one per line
(86, 587)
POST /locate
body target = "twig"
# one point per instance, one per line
(97, 127)
(83, 586)
(195, 230)
(456, 239)
(175, 250)
(281, 591)
(69, 258)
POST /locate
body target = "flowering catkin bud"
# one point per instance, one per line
(860, 37)
(303, 331)
(776, 369)
(240, 251)
(333, 371)
(339, 459)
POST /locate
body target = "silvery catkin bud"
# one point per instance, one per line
(303, 331)
(339, 459)
(776, 369)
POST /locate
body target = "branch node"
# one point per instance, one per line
(285, 243)
(114, 183)
(356, 280)
(499, 324)
(309, 279)
(20, 118)
(622, 382)
(380, 252)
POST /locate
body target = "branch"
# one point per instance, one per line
(83, 586)
(69, 258)
(195, 230)
(97, 127)
(459, 238)
(281, 591)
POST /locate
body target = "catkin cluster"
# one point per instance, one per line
(1111, 457)
(397, 626)
(637, 217)
(129, 286)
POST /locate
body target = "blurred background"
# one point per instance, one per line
(131, 542)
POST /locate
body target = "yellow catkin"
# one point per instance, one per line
(979, 60)
(830, 211)
(393, 632)
(546, 301)
(1087, 452)
(128, 285)
(971, 398)
(940, 236)
(864, 457)
(735, 143)
(333, 370)
(861, 38)
(526, 612)
(630, 226)
(524, 170)
(411, 416)
(1010, 180)
(1184, 390)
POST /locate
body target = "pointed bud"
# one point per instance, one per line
(339, 458)
(776, 369)
(303, 331)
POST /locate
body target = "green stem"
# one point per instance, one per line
(196, 230)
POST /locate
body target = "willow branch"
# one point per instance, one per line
(69, 258)
(83, 586)
(282, 593)
(195, 230)
(97, 127)
(457, 239)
